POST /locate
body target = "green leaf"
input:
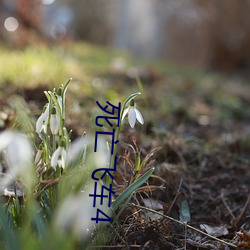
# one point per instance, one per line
(39, 222)
(184, 212)
(10, 236)
(138, 163)
(65, 87)
(128, 191)
(122, 208)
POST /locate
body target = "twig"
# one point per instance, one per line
(185, 242)
(117, 246)
(184, 224)
(237, 220)
(175, 198)
(48, 185)
(227, 207)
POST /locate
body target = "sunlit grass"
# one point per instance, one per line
(41, 64)
(37, 65)
(90, 66)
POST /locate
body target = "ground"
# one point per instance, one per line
(196, 125)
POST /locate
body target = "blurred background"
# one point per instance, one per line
(193, 60)
(212, 34)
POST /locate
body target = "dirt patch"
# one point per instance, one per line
(203, 162)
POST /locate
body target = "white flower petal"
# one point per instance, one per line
(54, 124)
(55, 156)
(63, 158)
(139, 116)
(124, 113)
(59, 158)
(102, 156)
(74, 214)
(42, 121)
(77, 147)
(44, 127)
(64, 154)
(19, 151)
(5, 139)
(61, 163)
(59, 99)
(39, 123)
(46, 113)
(18, 155)
(133, 114)
(132, 117)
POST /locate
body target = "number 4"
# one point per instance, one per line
(97, 219)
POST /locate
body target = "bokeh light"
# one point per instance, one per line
(11, 24)
(48, 2)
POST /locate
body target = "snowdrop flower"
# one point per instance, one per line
(75, 213)
(133, 114)
(59, 97)
(59, 157)
(78, 148)
(42, 122)
(54, 121)
(17, 152)
(39, 154)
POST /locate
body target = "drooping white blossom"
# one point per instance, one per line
(75, 213)
(133, 114)
(39, 155)
(42, 122)
(17, 151)
(54, 121)
(59, 157)
(59, 99)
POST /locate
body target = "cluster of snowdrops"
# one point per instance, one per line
(53, 174)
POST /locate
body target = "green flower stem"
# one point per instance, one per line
(65, 87)
(117, 132)
(66, 137)
(53, 142)
(53, 97)
(46, 147)
(61, 114)
(47, 137)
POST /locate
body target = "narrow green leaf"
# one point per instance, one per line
(128, 191)
(138, 163)
(10, 236)
(140, 86)
(185, 212)
(65, 87)
(39, 222)
(122, 209)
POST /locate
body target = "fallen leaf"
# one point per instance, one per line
(155, 205)
(215, 231)
(183, 208)
(152, 204)
(245, 236)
